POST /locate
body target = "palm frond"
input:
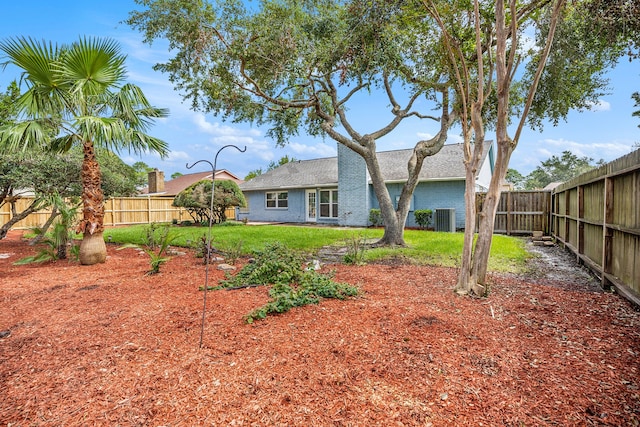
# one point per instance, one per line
(132, 106)
(36, 58)
(79, 90)
(63, 143)
(140, 142)
(93, 65)
(39, 62)
(100, 130)
(24, 136)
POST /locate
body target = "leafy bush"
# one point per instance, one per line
(196, 199)
(292, 285)
(375, 217)
(311, 289)
(423, 217)
(58, 241)
(274, 264)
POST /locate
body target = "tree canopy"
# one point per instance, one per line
(196, 199)
(299, 66)
(45, 175)
(555, 169)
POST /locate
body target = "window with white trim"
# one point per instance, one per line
(328, 203)
(277, 200)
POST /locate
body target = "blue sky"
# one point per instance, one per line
(607, 132)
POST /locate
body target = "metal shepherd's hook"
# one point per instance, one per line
(208, 243)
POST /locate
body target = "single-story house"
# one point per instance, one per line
(338, 190)
(158, 187)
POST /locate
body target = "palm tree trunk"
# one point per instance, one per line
(92, 249)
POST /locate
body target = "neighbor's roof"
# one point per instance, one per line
(446, 165)
(176, 185)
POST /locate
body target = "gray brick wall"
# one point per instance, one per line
(353, 192)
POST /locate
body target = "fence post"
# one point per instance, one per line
(607, 232)
(509, 214)
(148, 209)
(580, 228)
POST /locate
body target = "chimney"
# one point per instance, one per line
(156, 181)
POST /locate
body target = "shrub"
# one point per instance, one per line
(292, 285)
(196, 199)
(60, 239)
(375, 217)
(274, 264)
(423, 217)
(356, 245)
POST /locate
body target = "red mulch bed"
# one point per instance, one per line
(107, 345)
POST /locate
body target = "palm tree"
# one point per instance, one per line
(76, 95)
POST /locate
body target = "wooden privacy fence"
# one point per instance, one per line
(118, 211)
(597, 217)
(520, 212)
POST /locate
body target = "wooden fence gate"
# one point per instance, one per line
(520, 212)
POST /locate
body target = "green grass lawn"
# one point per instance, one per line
(424, 247)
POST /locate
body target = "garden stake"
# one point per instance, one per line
(213, 190)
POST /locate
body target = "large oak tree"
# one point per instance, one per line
(302, 65)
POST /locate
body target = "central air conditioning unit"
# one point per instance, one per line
(445, 220)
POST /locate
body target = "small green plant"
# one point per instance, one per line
(232, 250)
(310, 290)
(158, 238)
(58, 241)
(423, 217)
(356, 245)
(202, 248)
(274, 264)
(375, 217)
(291, 284)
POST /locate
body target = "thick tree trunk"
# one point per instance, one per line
(393, 225)
(92, 249)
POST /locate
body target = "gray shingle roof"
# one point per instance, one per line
(447, 164)
(297, 174)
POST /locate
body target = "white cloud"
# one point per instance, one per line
(177, 156)
(529, 156)
(601, 105)
(149, 78)
(317, 150)
(608, 150)
(452, 138)
(220, 131)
